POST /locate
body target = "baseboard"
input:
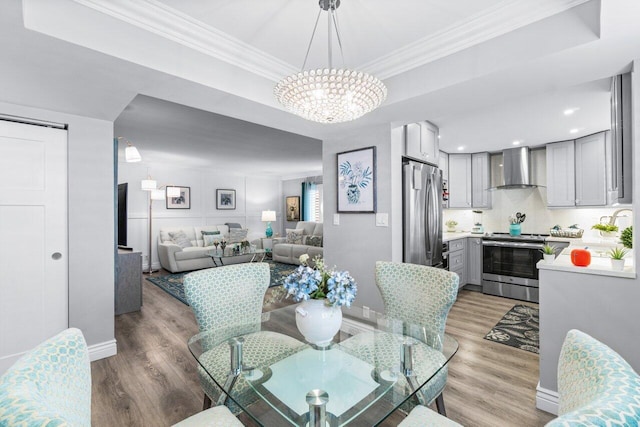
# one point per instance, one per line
(547, 400)
(103, 350)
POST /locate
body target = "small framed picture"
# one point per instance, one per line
(357, 181)
(225, 199)
(183, 201)
(293, 208)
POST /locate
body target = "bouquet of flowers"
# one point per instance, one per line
(320, 282)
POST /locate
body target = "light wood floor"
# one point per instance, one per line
(152, 380)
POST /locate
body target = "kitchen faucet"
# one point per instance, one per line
(612, 221)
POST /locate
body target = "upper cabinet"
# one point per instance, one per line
(460, 182)
(480, 180)
(561, 174)
(421, 142)
(576, 172)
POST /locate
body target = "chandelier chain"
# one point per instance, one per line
(335, 24)
(313, 34)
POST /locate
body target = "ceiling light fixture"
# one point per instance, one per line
(570, 111)
(573, 131)
(516, 142)
(330, 95)
(461, 148)
(131, 154)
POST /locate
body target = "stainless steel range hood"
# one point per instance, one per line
(514, 171)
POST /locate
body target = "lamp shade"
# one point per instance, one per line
(132, 155)
(148, 184)
(173, 191)
(157, 195)
(268, 216)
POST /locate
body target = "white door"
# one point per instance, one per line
(33, 226)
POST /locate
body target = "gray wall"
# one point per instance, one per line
(356, 244)
(603, 307)
(91, 220)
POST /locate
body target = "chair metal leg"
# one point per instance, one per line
(440, 405)
(207, 402)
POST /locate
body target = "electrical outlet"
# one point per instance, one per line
(365, 311)
(336, 219)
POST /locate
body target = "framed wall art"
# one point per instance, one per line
(183, 201)
(292, 205)
(357, 181)
(225, 199)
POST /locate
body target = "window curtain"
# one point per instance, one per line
(306, 205)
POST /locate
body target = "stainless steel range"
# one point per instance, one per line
(509, 265)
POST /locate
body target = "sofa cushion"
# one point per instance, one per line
(314, 241)
(317, 231)
(193, 252)
(180, 239)
(314, 252)
(306, 226)
(208, 237)
(188, 230)
(233, 225)
(237, 235)
(294, 236)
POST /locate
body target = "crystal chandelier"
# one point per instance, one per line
(330, 95)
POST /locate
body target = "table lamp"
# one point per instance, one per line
(268, 216)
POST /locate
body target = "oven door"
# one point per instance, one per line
(515, 259)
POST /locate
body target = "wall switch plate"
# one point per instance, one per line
(365, 311)
(336, 219)
(382, 220)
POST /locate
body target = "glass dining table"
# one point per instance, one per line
(269, 372)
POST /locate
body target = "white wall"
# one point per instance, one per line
(91, 224)
(253, 195)
(356, 244)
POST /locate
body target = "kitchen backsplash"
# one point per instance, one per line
(540, 219)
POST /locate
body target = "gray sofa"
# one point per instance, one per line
(289, 253)
(176, 259)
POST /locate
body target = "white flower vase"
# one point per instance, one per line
(548, 258)
(617, 264)
(318, 322)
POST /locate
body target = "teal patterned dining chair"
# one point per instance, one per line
(597, 386)
(50, 385)
(418, 295)
(229, 300)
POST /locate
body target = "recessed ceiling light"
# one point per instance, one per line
(573, 131)
(516, 142)
(461, 148)
(569, 111)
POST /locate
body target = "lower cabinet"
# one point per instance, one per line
(457, 260)
(473, 262)
(128, 292)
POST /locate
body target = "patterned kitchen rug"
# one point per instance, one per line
(172, 283)
(519, 328)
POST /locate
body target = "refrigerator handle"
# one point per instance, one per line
(430, 220)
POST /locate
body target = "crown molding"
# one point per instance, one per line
(171, 24)
(498, 20)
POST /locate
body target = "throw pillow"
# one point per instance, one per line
(294, 236)
(233, 225)
(314, 241)
(210, 236)
(180, 239)
(237, 235)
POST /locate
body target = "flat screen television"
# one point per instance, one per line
(122, 214)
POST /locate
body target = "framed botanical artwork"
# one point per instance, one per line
(183, 201)
(292, 206)
(357, 181)
(225, 199)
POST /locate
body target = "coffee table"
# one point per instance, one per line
(218, 258)
(358, 380)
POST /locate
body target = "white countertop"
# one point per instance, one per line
(600, 262)
(448, 236)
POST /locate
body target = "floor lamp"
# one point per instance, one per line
(155, 193)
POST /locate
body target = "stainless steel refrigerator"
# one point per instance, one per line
(422, 213)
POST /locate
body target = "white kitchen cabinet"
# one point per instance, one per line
(443, 165)
(480, 180)
(561, 176)
(460, 181)
(591, 178)
(457, 257)
(421, 142)
(473, 263)
(577, 172)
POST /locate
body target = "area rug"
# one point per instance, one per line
(518, 328)
(172, 283)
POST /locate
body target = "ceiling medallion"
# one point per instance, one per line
(330, 95)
